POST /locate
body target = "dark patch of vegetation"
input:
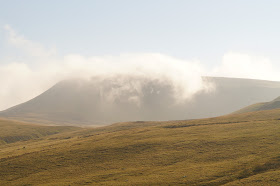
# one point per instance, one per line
(273, 164)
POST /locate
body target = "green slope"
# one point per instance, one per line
(231, 149)
(274, 104)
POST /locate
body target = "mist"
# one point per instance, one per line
(38, 68)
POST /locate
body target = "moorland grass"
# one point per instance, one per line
(233, 150)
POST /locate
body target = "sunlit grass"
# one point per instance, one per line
(232, 149)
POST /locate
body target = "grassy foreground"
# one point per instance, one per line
(232, 150)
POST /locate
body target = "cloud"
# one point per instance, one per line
(242, 65)
(31, 48)
(21, 82)
(185, 76)
(129, 71)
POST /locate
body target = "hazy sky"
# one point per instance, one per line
(202, 29)
(42, 42)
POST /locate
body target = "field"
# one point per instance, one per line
(232, 150)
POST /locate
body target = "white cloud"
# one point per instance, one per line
(31, 48)
(246, 66)
(20, 82)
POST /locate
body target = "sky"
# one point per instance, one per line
(43, 42)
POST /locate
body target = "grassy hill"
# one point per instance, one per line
(232, 150)
(274, 104)
(12, 131)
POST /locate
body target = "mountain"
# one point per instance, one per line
(274, 104)
(104, 101)
(240, 149)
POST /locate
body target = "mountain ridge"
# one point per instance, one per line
(80, 102)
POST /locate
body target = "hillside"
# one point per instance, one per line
(274, 104)
(233, 150)
(13, 131)
(101, 102)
